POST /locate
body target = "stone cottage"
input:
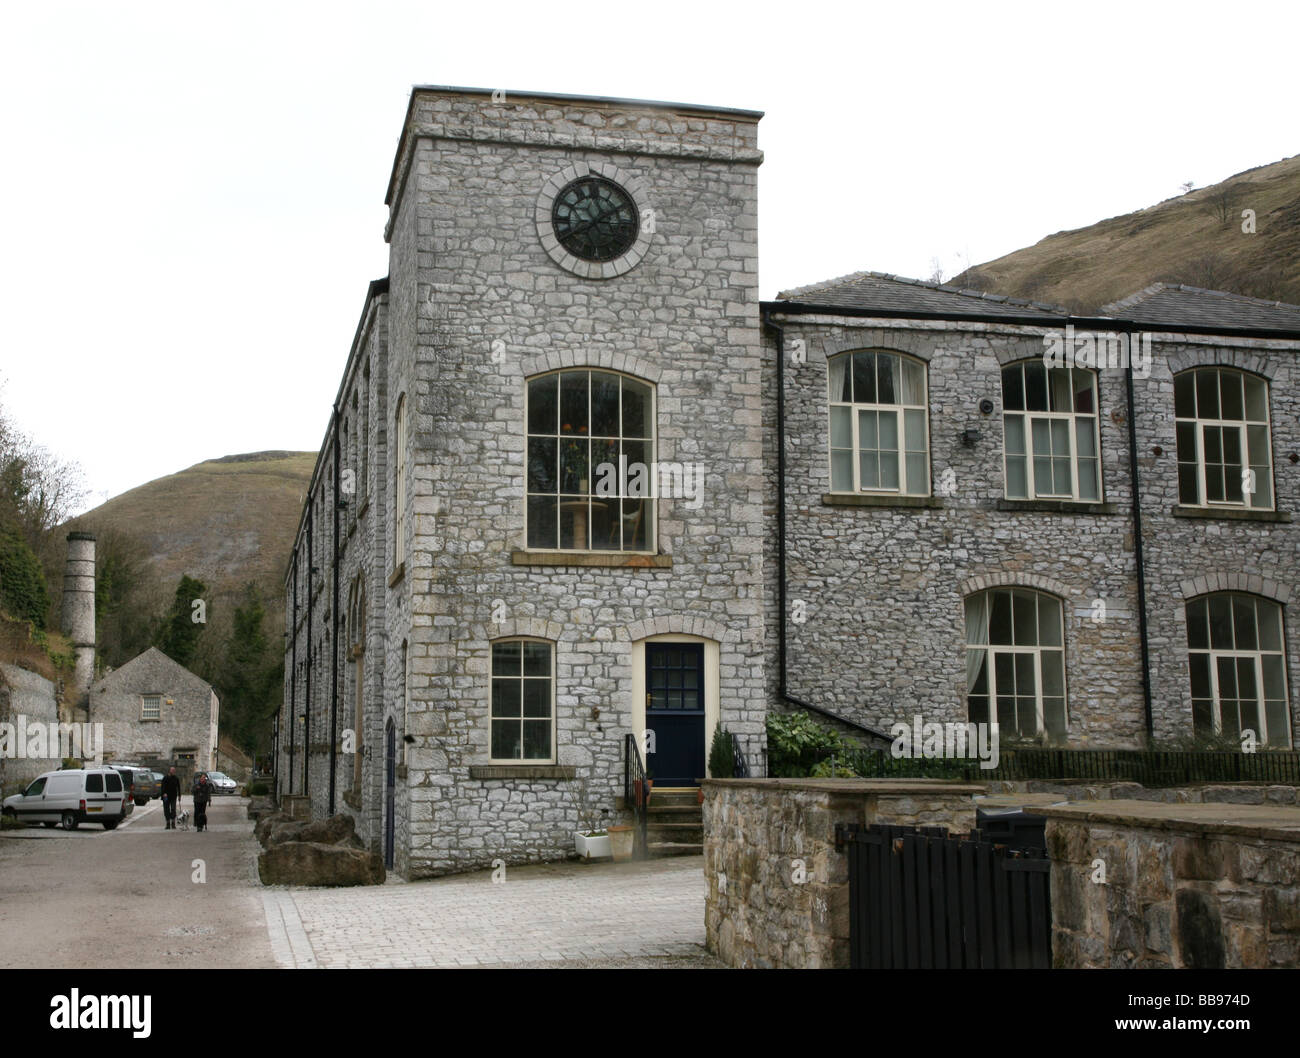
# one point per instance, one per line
(155, 710)
(582, 497)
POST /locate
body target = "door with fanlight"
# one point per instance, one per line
(675, 708)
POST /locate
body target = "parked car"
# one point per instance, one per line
(71, 797)
(222, 783)
(130, 774)
(148, 785)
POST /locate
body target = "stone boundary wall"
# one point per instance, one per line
(31, 695)
(778, 893)
(1184, 886)
(1218, 793)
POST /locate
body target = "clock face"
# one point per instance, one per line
(595, 219)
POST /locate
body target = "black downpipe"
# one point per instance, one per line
(293, 667)
(306, 706)
(782, 649)
(1137, 547)
(334, 623)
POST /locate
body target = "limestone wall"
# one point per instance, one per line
(27, 694)
(777, 887)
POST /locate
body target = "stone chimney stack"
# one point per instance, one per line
(79, 612)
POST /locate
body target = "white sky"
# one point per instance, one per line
(191, 203)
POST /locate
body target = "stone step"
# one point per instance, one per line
(689, 832)
(677, 797)
(675, 848)
(669, 812)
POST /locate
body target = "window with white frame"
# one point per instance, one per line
(1015, 662)
(879, 424)
(1237, 663)
(1049, 418)
(150, 706)
(523, 700)
(1224, 452)
(399, 483)
(591, 472)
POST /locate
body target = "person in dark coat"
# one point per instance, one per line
(171, 794)
(202, 795)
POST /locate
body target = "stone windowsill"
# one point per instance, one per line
(396, 576)
(607, 559)
(1230, 514)
(365, 506)
(352, 799)
(1058, 506)
(871, 499)
(522, 771)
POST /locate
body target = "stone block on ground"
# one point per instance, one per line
(313, 863)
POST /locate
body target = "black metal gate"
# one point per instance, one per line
(920, 898)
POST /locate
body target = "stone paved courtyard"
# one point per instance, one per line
(606, 915)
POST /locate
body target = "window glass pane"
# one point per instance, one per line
(537, 740)
(1276, 719)
(505, 739)
(1257, 443)
(977, 709)
(1227, 673)
(1017, 477)
(575, 529)
(1015, 426)
(636, 409)
(537, 698)
(1185, 432)
(1189, 483)
(869, 470)
(542, 454)
(505, 659)
(1054, 718)
(1061, 474)
(1231, 446)
(1256, 398)
(840, 387)
(573, 465)
(1036, 387)
(1243, 620)
(1213, 444)
(1207, 394)
(1007, 714)
(976, 630)
(918, 481)
(573, 403)
(1198, 631)
(1199, 667)
(867, 430)
(1084, 389)
(1000, 618)
(886, 378)
(841, 470)
(1270, 625)
(506, 699)
(981, 661)
(1025, 619)
(888, 431)
(1250, 711)
(1004, 675)
(1214, 490)
(889, 470)
(1220, 622)
(913, 383)
(1049, 621)
(841, 428)
(541, 522)
(543, 404)
(94, 784)
(1202, 724)
(1089, 472)
(1185, 395)
(914, 430)
(537, 659)
(1085, 438)
(1263, 494)
(864, 378)
(1247, 685)
(1026, 679)
(604, 404)
(1053, 662)
(638, 524)
(1230, 395)
(1013, 389)
(1042, 434)
(1058, 380)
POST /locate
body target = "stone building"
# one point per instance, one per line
(491, 587)
(871, 497)
(155, 710)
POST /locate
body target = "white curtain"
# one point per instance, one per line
(838, 366)
(977, 625)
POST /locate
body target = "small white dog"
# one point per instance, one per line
(182, 820)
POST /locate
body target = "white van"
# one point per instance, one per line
(72, 797)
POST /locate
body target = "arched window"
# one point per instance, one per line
(1015, 662)
(399, 483)
(1049, 419)
(591, 472)
(523, 700)
(1237, 662)
(1224, 451)
(879, 428)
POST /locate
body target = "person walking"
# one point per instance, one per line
(171, 794)
(202, 796)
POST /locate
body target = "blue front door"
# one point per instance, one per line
(674, 712)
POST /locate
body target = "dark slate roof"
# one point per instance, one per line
(897, 294)
(1176, 306)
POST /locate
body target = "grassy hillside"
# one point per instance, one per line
(1195, 239)
(226, 521)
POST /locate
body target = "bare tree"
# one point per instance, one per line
(1221, 203)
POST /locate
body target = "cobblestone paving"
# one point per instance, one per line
(564, 915)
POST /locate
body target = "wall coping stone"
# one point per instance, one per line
(1261, 822)
(859, 786)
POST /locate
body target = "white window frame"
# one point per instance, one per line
(553, 720)
(897, 409)
(399, 484)
(1256, 657)
(652, 443)
(144, 706)
(1241, 426)
(1071, 418)
(1037, 650)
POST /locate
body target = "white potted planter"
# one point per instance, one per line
(592, 845)
(622, 842)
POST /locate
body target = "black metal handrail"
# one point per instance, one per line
(741, 766)
(636, 795)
